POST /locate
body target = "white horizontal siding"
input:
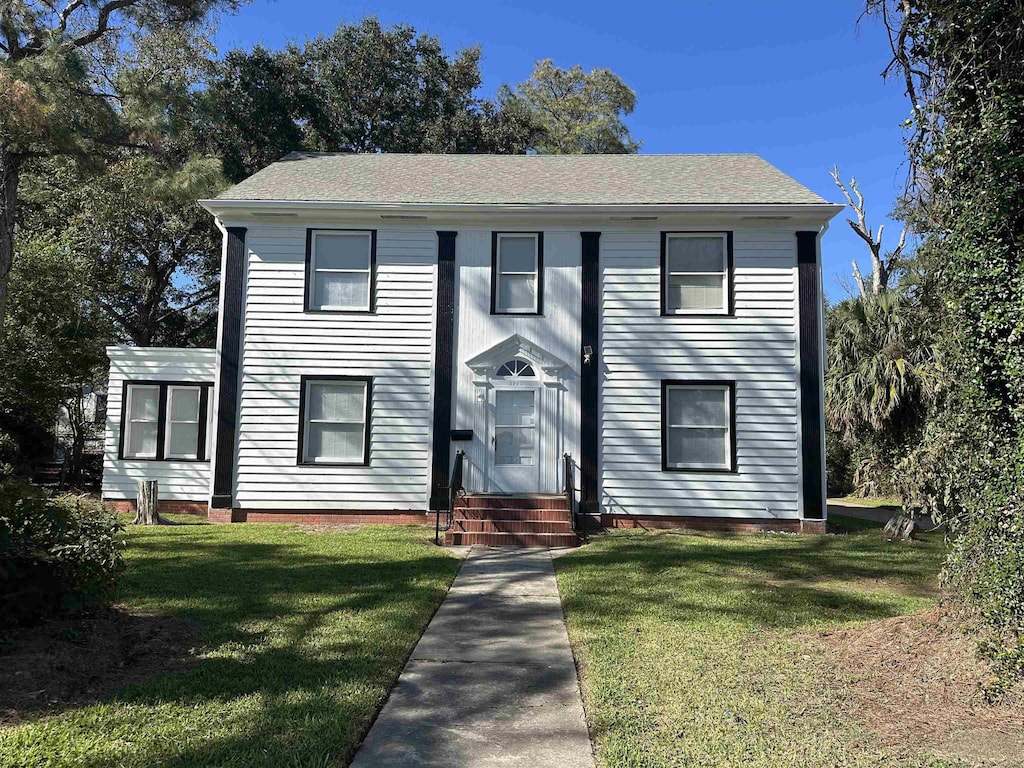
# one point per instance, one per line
(556, 331)
(178, 480)
(281, 343)
(757, 348)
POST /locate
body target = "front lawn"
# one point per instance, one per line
(707, 650)
(299, 637)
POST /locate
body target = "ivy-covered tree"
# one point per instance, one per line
(962, 65)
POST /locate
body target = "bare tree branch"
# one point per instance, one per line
(882, 267)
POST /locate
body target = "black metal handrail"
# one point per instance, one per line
(570, 489)
(455, 489)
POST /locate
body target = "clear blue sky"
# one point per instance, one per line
(796, 82)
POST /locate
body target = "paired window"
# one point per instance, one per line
(334, 414)
(340, 267)
(698, 426)
(517, 273)
(165, 421)
(696, 273)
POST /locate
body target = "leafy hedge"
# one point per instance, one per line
(58, 554)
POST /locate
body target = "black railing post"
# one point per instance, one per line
(454, 488)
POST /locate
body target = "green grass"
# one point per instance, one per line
(301, 636)
(700, 650)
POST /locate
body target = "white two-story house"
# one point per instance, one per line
(657, 319)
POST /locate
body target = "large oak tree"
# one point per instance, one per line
(55, 64)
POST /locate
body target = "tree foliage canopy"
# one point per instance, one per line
(364, 88)
(579, 112)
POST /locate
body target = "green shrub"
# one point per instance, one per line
(838, 470)
(58, 554)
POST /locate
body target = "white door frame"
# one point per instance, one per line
(523, 478)
(551, 389)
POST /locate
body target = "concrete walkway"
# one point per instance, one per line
(882, 514)
(492, 681)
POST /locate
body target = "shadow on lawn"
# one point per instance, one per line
(298, 647)
(769, 583)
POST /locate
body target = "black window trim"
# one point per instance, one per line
(730, 274)
(730, 384)
(367, 421)
(308, 288)
(495, 236)
(205, 387)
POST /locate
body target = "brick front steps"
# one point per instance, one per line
(517, 521)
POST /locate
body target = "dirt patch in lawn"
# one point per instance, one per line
(916, 681)
(66, 662)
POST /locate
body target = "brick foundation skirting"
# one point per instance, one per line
(164, 506)
(322, 517)
(712, 523)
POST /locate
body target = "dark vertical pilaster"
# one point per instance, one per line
(227, 381)
(589, 383)
(443, 343)
(812, 434)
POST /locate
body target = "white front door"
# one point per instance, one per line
(514, 455)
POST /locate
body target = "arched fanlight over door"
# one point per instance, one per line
(516, 369)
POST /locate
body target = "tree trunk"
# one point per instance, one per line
(9, 173)
(146, 504)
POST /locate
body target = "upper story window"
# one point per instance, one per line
(695, 273)
(165, 421)
(335, 419)
(340, 267)
(698, 426)
(517, 273)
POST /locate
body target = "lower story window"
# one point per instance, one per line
(335, 420)
(698, 425)
(164, 421)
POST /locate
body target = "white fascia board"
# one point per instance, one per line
(123, 352)
(282, 210)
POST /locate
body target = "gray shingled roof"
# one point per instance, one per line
(523, 180)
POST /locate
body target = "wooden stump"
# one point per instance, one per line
(146, 504)
(899, 528)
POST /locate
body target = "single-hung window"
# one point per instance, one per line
(340, 271)
(517, 273)
(183, 415)
(335, 421)
(698, 431)
(143, 421)
(696, 273)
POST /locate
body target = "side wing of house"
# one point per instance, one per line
(158, 426)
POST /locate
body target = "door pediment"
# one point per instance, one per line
(515, 346)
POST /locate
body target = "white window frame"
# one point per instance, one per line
(500, 310)
(727, 429)
(169, 425)
(724, 274)
(129, 453)
(314, 270)
(363, 459)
